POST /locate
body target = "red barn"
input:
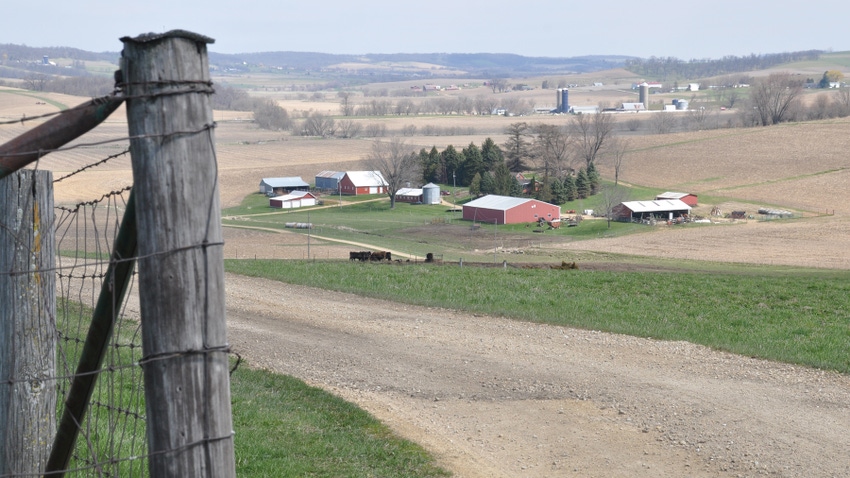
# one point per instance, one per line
(362, 182)
(509, 210)
(687, 198)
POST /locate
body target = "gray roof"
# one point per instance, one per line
(331, 174)
(672, 195)
(291, 182)
(502, 203)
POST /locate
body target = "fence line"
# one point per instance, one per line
(113, 430)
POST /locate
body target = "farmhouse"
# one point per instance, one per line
(355, 183)
(293, 200)
(509, 210)
(329, 179)
(277, 186)
(665, 209)
(687, 198)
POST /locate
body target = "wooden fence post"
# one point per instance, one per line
(27, 322)
(181, 263)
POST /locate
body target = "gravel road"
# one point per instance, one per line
(494, 397)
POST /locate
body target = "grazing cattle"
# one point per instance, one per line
(429, 257)
(359, 255)
(381, 255)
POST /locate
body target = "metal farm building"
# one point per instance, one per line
(329, 180)
(509, 210)
(687, 198)
(293, 200)
(277, 186)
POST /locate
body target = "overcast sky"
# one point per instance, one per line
(551, 28)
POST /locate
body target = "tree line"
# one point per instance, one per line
(671, 67)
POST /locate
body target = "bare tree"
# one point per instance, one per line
(698, 118)
(775, 97)
(499, 85)
(36, 82)
(318, 124)
(345, 105)
(591, 132)
(612, 196)
(485, 104)
(617, 149)
(397, 162)
(842, 101)
(269, 115)
(348, 128)
(662, 122)
(552, 150)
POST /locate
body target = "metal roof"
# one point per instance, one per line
(409, 192)
(672, 195)
(293, 196)
(366, 178)
(290, 182)
(502, 203)
(660, 205)
(331, 174)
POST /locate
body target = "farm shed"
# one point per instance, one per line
(329, 179)
(293, 200)
(687, 198)
(509, 210)
(411, 195)
(664, 209)
(362, 182)
(278, 186)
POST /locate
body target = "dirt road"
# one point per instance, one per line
(494, 397)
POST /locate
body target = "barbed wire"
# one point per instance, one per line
(92, 165)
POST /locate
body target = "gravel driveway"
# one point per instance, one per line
(495, 397)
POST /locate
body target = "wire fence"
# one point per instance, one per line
(88, 223)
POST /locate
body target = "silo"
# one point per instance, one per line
(430, 194)
(558, 100)
(644, 95)
(565, 101)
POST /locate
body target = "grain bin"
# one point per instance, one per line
(431, 194)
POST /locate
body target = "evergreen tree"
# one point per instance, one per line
(582, 184)
(515, 187)
(517, 147)
(593, 178)
(570, 189)
(430, 165)
(544, 192)
(488, 183)
(475, 185)
(473, 163)
(491, 153)
(503, 179)
(452, 160)
(559, 192)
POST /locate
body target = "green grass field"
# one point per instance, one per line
(790, 315)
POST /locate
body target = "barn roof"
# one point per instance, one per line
(660, 205)
(409, 192)
(330, 174)
(290, 182)
(673, 195)
(293, 196)
(493, 201)
(366, 178)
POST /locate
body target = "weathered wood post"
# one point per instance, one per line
(27, 322)
(181, 264)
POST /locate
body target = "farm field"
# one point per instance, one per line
(801, 167)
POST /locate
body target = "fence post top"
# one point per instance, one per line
(150, 37)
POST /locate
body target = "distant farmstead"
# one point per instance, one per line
(411, 195)
(278, 186)
(509, 210)
(293, 200)
(355, 183)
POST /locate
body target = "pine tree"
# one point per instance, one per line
(491, 153)
(582, 184)
(452, 160)
(488, 183)
(473, 163)
(570, 188)
(559, 192)
(475, 185)
(593, 178)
